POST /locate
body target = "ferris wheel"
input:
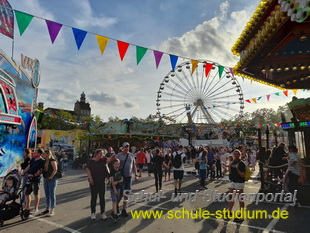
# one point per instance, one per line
(194, 97)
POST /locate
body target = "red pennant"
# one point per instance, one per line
(285, 92)
(208, 68)
(122, 48)
(249, 101)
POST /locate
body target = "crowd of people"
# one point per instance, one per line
(118, 170)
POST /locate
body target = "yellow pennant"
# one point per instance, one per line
(194, 65)
(102, 42)
(295, 91)
(254, 100)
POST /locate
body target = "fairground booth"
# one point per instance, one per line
(274, 49)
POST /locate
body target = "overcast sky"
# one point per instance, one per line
(196, 29)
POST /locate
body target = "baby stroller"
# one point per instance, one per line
(10, 207)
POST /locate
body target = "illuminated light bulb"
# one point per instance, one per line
(302, 67)
(288, 82)
(294, 81)
(271, 69)
(302, 79)
(279, 69)
(294, 68)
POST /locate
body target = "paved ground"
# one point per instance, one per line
(73, 211)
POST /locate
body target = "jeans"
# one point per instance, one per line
(95, 189)
(50, 190)
(158, 179)
(202, 176)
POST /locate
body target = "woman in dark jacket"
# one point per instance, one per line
(158, 163)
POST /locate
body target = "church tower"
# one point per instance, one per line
(81, 108)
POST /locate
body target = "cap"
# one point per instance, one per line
(125, 144)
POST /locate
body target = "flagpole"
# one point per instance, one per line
(12, 49)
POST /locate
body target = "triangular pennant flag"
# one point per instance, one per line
(140, 51)
(122, 48)
(259, 98)
(213, 106)
(23, 21)
(79, 36)
(102, 42)
(295, 91)
(277, 93)
(158, 55)
(254, 100)
(251, 81)
(194, 65)
(232, 71)
(221, 69)
(53, 29)
(208, 68)
(268, 97)
(249, 101)
(285, 92)
(173, 60)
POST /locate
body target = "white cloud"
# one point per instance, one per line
(86, 17)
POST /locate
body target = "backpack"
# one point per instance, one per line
(177, 160)
(59, 172)
(247, 173)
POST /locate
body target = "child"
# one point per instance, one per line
(116, 190)
(7, 191)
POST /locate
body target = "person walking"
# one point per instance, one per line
(50, 182)
(97, 172)
(24, 165)
(128, 166)
(34, 171)
(141, 160)
(167, 166)
(158, 163)
(203, 160)
(177, 161)
(237, 170)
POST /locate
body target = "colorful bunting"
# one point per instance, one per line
(295, 91)
(122, 48)
(53, 29)
(23, 21)
(194, 65)
(208, 68)
(277, 93)
(232, 71)
(79, 36)
(158, 55)
(285, 92)
(102, 42)
(268, 97)
(254, 100)
(173, 60)
(140, 51)
(249, 101)
(221, 69)
(259, 98)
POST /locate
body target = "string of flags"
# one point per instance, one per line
(286, 92)
(24, 19)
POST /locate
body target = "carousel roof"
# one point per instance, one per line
(274, 47)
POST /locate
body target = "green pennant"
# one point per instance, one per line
(277, 93)
(23, 20)
(140, 53)
(221, 69)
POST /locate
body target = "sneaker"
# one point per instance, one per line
(114, 217)
(124, 213)
(93, 216)
(45, 212)
(34, 211)
(104, 216)
(51, 213)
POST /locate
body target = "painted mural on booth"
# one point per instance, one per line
(17, 101)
